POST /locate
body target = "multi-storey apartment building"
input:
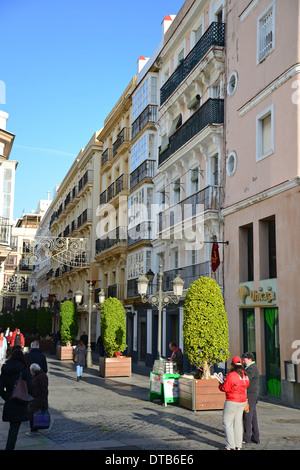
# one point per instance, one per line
(261, 207)
(141, 200)
(114, 181)
(188, 184)
(7, 186)
(70, 246)
(16, 271)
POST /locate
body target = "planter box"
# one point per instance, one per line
(196, 394)
(114, 366)
(45, 344)
(65, 353)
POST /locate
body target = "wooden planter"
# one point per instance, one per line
(65, 353)
(196, 394)
(115, 366)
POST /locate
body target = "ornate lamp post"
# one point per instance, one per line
(159, 299)
(90, 306)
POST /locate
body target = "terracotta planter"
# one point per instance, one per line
(115, 366)
(65, 353)
(196, 394)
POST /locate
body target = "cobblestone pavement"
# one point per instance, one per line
(116, 414)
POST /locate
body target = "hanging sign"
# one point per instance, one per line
(215, 257)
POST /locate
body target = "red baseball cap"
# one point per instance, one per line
(236, 360)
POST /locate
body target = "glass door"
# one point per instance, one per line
(272, 350)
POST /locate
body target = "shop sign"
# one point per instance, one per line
(261, 296)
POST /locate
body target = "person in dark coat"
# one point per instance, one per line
(176, 356)
(80, 358)
(14, 412)
(39, 393)
(251, 429)
(35, 356)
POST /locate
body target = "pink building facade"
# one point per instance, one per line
(262, 189)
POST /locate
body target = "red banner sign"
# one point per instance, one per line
(215, 257)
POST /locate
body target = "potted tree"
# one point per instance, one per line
(113, 332)
(205, 338)
(68, 329)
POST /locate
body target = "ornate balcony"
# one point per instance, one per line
(211, 112)
(213, 36)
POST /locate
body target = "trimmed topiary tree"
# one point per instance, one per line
(113, 326)
(205, 325)
(68, 322)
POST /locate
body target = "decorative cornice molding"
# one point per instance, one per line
(268, 193)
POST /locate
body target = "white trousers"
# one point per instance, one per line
(233, 423)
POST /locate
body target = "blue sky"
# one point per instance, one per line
(65, 64)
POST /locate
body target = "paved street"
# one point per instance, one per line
(116, 414)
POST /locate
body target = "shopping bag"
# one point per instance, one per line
(20, 391)
(41, 419)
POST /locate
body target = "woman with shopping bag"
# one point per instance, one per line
(39, 404)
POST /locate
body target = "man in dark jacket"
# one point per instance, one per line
(37, 357)
(177, 356)
(251, 431)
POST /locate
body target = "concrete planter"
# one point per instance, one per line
(65, 353)
(115, 366)
(196, 394)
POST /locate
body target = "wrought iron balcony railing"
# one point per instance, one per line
(123, 136)
(118, 235)
(213, 36)
(145, 170)
(211, 112)
(148, 115)
(107, 156)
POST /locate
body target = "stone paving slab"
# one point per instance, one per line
(116, 414)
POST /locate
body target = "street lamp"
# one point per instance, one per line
(90, 306)
(160, 299)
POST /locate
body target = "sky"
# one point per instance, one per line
(63, 66)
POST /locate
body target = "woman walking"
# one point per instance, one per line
(3, 348)
(80, 358)
(235, 387)
(14, 412)
(39, 393)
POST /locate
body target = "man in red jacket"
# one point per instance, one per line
(17, 339)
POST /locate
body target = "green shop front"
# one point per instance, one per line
(260, 330)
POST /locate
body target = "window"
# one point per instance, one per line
(146, 94)
(231, 163)
(195, 183)
(11, 262)
(266, 33)
(232, 83)
(267, 242)
(265, 134)
(138, 153)
(246, 253)
(176, 191)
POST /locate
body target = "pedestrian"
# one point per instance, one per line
(176, 356)
(3, 348)
(7, 331)
(39, 393)
(84, 338)
(80, 358)
(251, 430)
(17, 339)
(8, 340)
(35, 356)
(100, 346)
(14, 412)
(235, 387)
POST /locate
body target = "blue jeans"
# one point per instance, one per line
(79, 370)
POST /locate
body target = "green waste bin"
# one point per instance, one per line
(165, 387)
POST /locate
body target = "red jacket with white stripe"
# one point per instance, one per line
(235, 387)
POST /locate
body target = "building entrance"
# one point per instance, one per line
(272, 351)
